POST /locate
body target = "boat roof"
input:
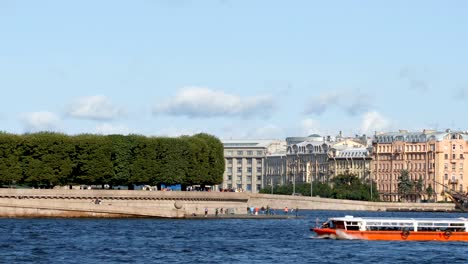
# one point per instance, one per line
(399, 219)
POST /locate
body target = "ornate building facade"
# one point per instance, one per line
(437, 158)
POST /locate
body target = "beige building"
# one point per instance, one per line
(435, 157)
(354, 160)
(317, 159)
(245, 163)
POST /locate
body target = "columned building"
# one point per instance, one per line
(321, 158)
(437, 158)
(245, 163)
(356, 161)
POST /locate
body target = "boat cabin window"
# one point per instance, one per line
(429, 226)
(389, 226)
(338, 224)
(352, 225)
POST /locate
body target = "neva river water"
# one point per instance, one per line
(209, 241)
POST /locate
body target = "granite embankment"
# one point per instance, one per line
(121, 203)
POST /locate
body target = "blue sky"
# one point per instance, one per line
(233, 68)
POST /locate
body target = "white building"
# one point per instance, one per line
(245, 163)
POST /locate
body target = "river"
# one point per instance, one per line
(209, 241)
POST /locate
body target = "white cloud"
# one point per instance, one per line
(352, 102)
(374, 121)
(108, 129)
(414, 81)
(96, 107)
(40, 121)
(203, 102)
(269, 132)
(310, 126)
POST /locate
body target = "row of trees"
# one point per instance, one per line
(343, 186)
(409, 190)
(50, 159)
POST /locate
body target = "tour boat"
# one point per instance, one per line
(384, 228)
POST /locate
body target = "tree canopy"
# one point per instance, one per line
(49, 159)
(343, 186)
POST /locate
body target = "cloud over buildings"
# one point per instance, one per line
(96, 107)
(414, 81)
(351, 102)
(373, 121)
(40, 121)
(199, 102)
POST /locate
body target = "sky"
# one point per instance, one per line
(236, 69)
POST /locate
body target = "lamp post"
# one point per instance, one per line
(271, 182)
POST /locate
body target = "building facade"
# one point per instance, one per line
(318, 159)
(245, 163)
(437, 158)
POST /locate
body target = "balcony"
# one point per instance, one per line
(453, 181)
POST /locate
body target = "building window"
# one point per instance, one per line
(249, 161)
(239, 186)
(229, 186)
(259, 178)
(259, 152)
(249, 152)
(249, 169)
(461, 176)
(249, 178)
(454, 165)
(229, 177)
(446, 166)
(259, 187)
(259, 169)
(229, 170)
(453, 147)
(461, 156)
(229, 153)
(240, 152)
(461, 147)
(454, 156)
(461, 165)
(446, 176)
(259, 162)
(249, 187)
(239, 169)
(239, 178)
(229, 161)
(446, 156)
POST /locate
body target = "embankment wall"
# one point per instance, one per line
(123, 203)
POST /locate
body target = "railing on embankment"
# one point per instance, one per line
(317, 203)
(123, 203)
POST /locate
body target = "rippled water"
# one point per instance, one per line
(209, 241)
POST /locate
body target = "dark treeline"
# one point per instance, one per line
(343, 186)
(49, 159)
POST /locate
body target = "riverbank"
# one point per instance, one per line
(124, 203)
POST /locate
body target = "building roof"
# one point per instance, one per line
(251, 143)
(415, 137)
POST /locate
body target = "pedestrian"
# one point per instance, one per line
(286, 210)
(206, 211)
(297, 210)
(216, 212)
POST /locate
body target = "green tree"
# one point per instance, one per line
(405, 185)
(10, 166)
(93, 164)
(215, 165)
(429, 192)
(46, 159)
